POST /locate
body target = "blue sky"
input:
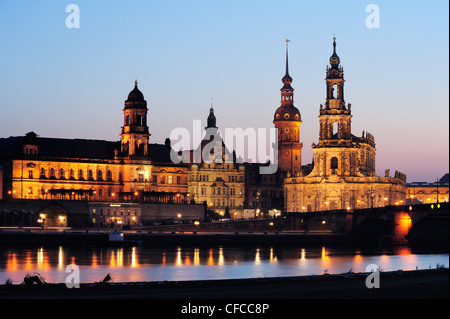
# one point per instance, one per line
(72, 83)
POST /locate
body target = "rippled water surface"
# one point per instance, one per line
(128, 264)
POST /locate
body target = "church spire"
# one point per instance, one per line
(287, 79)
(334, 59)
(287, 92)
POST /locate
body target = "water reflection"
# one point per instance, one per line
(192, 263)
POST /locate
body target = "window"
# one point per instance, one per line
(109, 176)
(169, 179)
(334, 163)
(335, 127)
(52, 172)
(100, 192)
(219, 190)
(62, 173)
(80, 174)
(30, 174)
(99, 175)
(42, 172)
(141, 177)
(91, 175)
(178, 180)
(71, 174)
(155, 179)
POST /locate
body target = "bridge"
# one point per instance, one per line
(392, 222)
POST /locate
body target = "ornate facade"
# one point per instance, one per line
(131, 169)
(343, 174)
(216, 178)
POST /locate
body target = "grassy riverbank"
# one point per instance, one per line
(419, 284)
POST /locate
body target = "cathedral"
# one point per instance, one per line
(343, 172)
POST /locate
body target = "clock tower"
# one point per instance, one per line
(287, 121)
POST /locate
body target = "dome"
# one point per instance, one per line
(334, 59)
(287, 113)
(136, 95)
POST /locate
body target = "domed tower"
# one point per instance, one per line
(287, 120)
(134, 136)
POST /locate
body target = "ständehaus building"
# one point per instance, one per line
(343, 174)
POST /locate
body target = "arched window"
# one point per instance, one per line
(334, 163)
(90, 175)
(109, 176)
(52, 172)
(43, 173)
(71, 174)
(62, 173)
(99, 175)
(80, 174)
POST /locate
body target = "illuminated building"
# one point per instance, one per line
(217, 180)
(287, 120)
(424, 193)
(343, 174)
(131, 169)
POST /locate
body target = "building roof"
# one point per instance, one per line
(64, 148)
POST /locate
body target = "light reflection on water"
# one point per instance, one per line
(128, 264)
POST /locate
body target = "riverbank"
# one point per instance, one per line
(95, 237)
(417, 284)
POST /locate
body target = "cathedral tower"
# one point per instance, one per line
(335, 117)
(135, 136)
(335, 154)
(287, 120)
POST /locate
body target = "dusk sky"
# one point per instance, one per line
(72, 82)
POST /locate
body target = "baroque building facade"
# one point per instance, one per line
(215, 177)
(343, 174)
(131, 169)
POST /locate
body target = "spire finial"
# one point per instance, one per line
(135, 83)
(287, 58)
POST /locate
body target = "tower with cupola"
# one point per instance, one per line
(287, 121)
(135, 134)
